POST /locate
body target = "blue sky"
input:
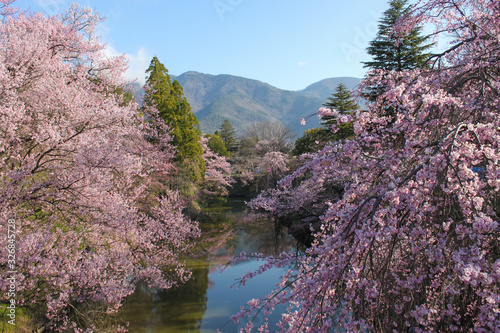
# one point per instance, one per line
(289, 44)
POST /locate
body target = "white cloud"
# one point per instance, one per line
(302, 63)
(137, 62)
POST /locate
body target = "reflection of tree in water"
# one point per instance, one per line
(234, 231)
(259, 233)
(178, 309)
(227, 231)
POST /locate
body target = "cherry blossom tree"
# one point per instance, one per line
(412, 242)
(262, 172)
(217, 172)
(76, 175)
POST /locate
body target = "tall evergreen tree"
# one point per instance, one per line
(175, 110)
(343, 102)
(394, 52)
(228, 135)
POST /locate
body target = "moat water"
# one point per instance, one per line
(205, 303)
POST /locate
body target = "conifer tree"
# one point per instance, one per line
(388, 52)
(228, 135)
(393, 52)
(343, 103)
(341, 100)
(175, 110)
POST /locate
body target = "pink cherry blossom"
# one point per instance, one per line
(218, 172)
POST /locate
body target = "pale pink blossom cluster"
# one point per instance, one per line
(274, 162)
(265, 170)
(217, 173)
(411, 243)
(324, 111)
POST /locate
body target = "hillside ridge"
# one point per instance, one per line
(214, 98)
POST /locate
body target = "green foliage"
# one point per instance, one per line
(312, 141)
(315, 139)
(342, 100)
(396, 53)
(387, 53)
(175, 110)
(216, 144)
(228, 135)
(345, 131)
(186, 179)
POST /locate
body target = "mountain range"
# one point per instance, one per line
(214, 98)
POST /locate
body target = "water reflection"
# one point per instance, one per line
(176, 310)
(206, 302)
